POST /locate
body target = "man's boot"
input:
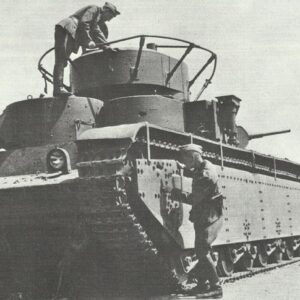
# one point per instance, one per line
(200, 288)
(213, 292)
(58, 82)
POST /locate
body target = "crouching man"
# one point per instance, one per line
(86, 27)
(206, 214)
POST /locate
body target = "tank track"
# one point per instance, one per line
(136, 261)
(255, 271)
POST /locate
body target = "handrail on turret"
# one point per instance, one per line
(48, 77)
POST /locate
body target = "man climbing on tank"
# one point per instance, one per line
(206, 214)
(85, 28)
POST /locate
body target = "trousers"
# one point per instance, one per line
(204, 237)
(64, 45)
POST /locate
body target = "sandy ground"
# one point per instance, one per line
(278, 284)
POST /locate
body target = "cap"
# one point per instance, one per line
(112, 8)
(191, 147)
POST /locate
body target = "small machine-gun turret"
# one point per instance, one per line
(228, 107)
(216, 120)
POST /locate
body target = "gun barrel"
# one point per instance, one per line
(260, 135)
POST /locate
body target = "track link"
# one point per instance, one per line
(114, 224)
(255, 271)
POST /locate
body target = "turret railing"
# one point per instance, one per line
(48, 76)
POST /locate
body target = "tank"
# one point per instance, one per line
(92, 199)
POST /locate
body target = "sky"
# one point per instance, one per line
(257, 43)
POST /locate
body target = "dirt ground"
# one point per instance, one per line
(279, 284)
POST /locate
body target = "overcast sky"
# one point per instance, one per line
(257, 43)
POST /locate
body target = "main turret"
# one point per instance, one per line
(135, 84)
(143, 84)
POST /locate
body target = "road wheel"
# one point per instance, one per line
(276, 256)
(288, 250)
(262, 255)
(226, 261)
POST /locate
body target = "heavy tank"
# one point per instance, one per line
(92, 198)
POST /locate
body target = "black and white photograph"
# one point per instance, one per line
(149, 150)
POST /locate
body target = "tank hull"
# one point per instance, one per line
(129, 213)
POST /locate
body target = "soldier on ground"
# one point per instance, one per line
(84, 28)
(206, 214)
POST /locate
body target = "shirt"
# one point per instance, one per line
(204, 187)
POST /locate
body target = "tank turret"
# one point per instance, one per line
(137, 85)
(143, 84)
(216, 120)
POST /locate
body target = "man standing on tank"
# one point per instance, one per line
(206, 214)
(84, 28)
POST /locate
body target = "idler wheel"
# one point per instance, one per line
(226, 261)
(262, 255)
